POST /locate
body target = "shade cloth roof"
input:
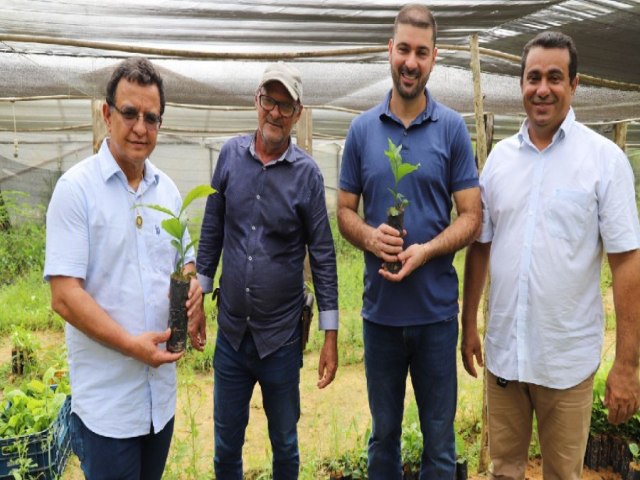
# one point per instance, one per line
(44, 51)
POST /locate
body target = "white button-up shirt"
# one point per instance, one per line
(549, 214)
(92, 235)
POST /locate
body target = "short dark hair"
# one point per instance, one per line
(416, 15)
(552, 39)
(137, 70)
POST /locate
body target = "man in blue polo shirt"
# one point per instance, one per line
(410, 317)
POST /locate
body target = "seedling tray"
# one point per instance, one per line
(49, 449)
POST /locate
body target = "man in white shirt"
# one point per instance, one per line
(109, 265)
(556, 196)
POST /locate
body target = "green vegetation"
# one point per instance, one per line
(33, 406)
(21, 237)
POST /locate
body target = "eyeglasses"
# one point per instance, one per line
(286, 109)
(131, 115)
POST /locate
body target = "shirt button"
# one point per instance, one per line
(246, 289)
(258, 196)
(253, 227)
(406, 133)
(248, 318)
(250, 258)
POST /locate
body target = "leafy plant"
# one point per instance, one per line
(400, 170)
(176, 225)
(33, 406)
(635, 452)
(23, 339)
(23, 463)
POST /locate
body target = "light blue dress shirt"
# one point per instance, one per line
(92, 235)
(550, 215)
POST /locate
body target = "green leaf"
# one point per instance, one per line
(405, 169)
(634, 449)
(174, 227)
(194, 193)
(159, 208)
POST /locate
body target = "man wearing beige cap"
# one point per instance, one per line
(270, 209)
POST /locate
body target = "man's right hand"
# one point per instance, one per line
(385, 242)
(147, 351)
(470, 348)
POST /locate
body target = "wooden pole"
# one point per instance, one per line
(99, 127)
(481, 138)
(620, 134)
(304, 131)
(490, 130)
(481, 158)
(304, 138)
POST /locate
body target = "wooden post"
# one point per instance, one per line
(490, 130)
(481, 139)
(620, 134)
(304, 137)
(304, 131)
(99, 127)
(481, 158)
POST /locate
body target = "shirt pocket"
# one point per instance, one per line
(567, 214)
(162, 254)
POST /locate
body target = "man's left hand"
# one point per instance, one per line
(328, 364)
(622, 395)
(411, 258)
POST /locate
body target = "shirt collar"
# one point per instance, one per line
(430, 112)
(109, 167)
(561, 133)
(289, 154)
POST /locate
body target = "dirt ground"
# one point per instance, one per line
(534, 472)
(332, 419)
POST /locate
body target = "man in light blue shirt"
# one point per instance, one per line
(109, 265)
(556, 196)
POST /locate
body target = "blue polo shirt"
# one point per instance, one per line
(438, 140)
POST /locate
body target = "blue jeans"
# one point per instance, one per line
(105, 458)
(235, 375)
(428, 354)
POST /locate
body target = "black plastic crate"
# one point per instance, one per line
(49, 450)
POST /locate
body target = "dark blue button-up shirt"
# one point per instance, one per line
(265, 217)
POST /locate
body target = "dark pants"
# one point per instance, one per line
(428, 354)
(105, 458)
(235, 375)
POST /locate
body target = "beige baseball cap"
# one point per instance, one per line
(285, 74)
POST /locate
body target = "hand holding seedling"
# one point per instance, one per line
(410, 259)
(395, 213)
(146, 349)
(385, 242)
